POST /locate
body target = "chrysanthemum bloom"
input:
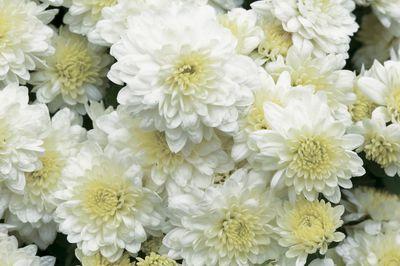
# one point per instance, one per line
(74, 74)
(21, 128)
(387, 11)
(225, 225)
(308, 148)
(186, 80)
(381, 84)
(327, 24)
(11, 255)
(155, 259)
(362, 249)
(365, 202)
(166, 168)
(99, 260)
(253, 119)
(104, 207)
(37, 204)
(242, 24)
(276, 40)
(362, 108)
(381, 143)
(307, 227)
(24, 38)
(376, 42)
(324, 74)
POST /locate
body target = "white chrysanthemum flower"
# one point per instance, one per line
(362, 108)
(165, 168)
(327, 24)
(362, 249)
(99, 260)
(365, 202)
(186, 80)
(104, 207)
(381, 84)
(276, 40)
(381, 143)
(308, 148)
(60, 141)
(307, 227)
(24, 37)
(320, 73)
(40, 233)
(253, 119)
(229, 224)
(376, 40)
(155, 259)
(21, 129)
(74, 74)
(11, 255)
(242, 24)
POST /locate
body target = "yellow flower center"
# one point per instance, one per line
(393, 104)
(104, 199)
(256, 120)
(74, 65)
(152, 244)
(381, 151)
(311, 223)
(189, 73)
(276, 42)
(48, 176)
(362, 108)
(238, 230)
(313, 157)
(156, 260)
(390, 257)
(309, 75)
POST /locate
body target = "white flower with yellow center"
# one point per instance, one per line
(104, 207)
(74, 74)
(166, 169)
(365, 202)
(24, 38)
(253, 119)
(11, 255)
(363, 107)
(155, 259)
(308, 148)
(61, 141)
(242, 24)
(381, 143)
(362, 249)
(186, 85)
(225, 225)
(99, 260)
(21, 130)
(376, 40)
(327, 24)
(324, 74)
(307, 227)
(381, 84)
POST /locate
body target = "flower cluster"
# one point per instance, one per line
(200, 133)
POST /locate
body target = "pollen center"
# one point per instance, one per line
(381, 151)
(393, 104)
(390, 258)
(276, 42)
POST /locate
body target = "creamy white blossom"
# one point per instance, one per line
(327, 24)
(185, 80)
(74, 74)
(103, 206)
(25, 39)
(308, 148)
(229, 224)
